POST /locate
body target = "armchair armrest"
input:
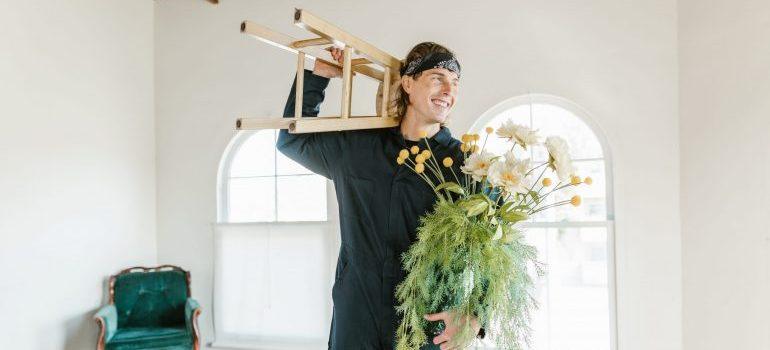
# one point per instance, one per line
(191, 312)
(107, 319)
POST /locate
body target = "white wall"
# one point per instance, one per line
(725, 162)
(77, 163)
(615, 58)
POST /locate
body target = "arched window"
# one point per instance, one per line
(274, 248)
(252, 175)
(576, 297)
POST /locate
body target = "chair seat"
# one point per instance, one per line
(135, 338)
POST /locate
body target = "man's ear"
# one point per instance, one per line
(406, 83)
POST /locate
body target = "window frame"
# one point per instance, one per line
(223, 181)
(583, 115)
(330, 224)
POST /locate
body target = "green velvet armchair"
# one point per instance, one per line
(150, 308)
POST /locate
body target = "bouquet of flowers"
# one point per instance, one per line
(470, 256)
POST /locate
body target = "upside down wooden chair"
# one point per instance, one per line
(359, 58)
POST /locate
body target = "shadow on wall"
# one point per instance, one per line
(81, 331)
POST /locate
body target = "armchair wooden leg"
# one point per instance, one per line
(196, 331)
(102, 328)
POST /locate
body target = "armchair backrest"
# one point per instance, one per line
(150, 297)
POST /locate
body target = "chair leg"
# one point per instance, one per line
(196, 330)
(102, 329)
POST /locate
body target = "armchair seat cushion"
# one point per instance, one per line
(156, 338)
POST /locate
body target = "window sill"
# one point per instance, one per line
(259, 223)
(263, 345)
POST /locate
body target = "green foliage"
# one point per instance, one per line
(457, 265)
(513, 216)
(469, 257)
(451, 187)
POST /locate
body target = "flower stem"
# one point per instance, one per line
(423, 176)
(549, 206)
(433, 157)
(454, 174)
(533, 186)
(533, 169)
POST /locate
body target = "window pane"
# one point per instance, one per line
(286, 166)
(573, 297)
(267, 275)
(594, 201)
(578, 300)
(495, 144)
(557, 121)
(538, 237)
(255, 156)
(301, 198)
(251, 199)
(548, 120)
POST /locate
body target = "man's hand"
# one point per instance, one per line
(327, 70)
(446, 337)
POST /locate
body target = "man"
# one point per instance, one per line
(380, 202)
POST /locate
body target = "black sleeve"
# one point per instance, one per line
(315, 151)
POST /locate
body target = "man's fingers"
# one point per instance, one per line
(337, 54)
(436, 316)
(447, 346)
(441, 338)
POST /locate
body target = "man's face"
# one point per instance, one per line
(433, 94)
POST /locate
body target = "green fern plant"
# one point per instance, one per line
(470, 257)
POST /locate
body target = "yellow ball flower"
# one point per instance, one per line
(476, 137)
(575, 180)
(419, 168)
(465, 148)
(575, 200)
(400, 160)
(448, 162)
(419, 159)
(423, 134)
(425, 154)
(588, 180)
(403, 154)
(466, 138)
(547, 182)
(489, 130)
(415, 149)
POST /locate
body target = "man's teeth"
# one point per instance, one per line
(441, 103)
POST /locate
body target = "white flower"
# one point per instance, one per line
(559, 159)
(510, 174)
(477, 165)
(520, 134)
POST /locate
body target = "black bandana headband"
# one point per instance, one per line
(432, 60)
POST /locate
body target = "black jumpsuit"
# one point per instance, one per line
(380, 204)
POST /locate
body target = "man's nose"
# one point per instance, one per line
(447, 88)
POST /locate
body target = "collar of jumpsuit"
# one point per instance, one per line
(443, 137)
(380, 204)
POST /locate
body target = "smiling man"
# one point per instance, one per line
(380, 203)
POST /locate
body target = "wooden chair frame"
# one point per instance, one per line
(372, 62)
